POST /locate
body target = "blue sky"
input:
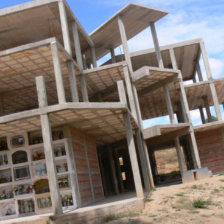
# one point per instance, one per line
(187, 19)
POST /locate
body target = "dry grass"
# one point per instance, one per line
(193, 203)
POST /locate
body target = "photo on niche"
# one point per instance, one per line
(21, 173)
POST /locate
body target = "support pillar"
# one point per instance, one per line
(133, 156)
(78, 52)
(186, 110)
(198, 69)
(169, 104)
(124, 43)
(215, 101)
(207, 108)
(131, 98)
(64, 27)
(179, 154)
(117, 163)
(202, 115)
(156, 45)
(48, 148)
(113, 170)
(210, 79)
(113, 58)
(73, 82)
(93, 55)
(142, 160)
(58, 73)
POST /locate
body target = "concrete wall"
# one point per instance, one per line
(85, 153)
(211, 149)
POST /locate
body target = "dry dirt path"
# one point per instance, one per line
(181, 204)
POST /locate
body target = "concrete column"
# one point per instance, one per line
(48, 148)
(113, 171)
(133, 156)
(179, 154)
(84, 62)
(78, 52)
(156, 45)
(205, 60)
(215, 101)
(169, 104)
(211, 84)
(58, 73)
(198, 69)
(93, 55)
(148, 164)
(117, 163)
(131, 98)
(186, 110)
(113, 58)
(207, 108)
(138, 107)
(142, 160)
(121, 92)
(64, 27)
(85, 96)
(124, 43)
(73, 82)
(202, 115)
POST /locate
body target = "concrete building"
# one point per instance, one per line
(71, 131)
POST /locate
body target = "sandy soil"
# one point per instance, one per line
(175, 204)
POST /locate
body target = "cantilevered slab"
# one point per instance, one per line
(104, 121)
(150, 78)
(135, 17)
(34, 21)
(209, 126)
(186, 53)
(158, 130)
(103, 80)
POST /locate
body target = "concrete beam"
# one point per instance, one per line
(58, 73)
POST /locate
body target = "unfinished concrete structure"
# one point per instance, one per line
(71, 131)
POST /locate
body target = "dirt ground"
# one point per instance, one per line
(192, 203)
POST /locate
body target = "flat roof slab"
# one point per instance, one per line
(135, 18)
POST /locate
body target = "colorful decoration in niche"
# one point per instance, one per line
(23, 189)
(3, 144)
(26, 206)
(67, 200)
(17, 141)
(38, 156)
